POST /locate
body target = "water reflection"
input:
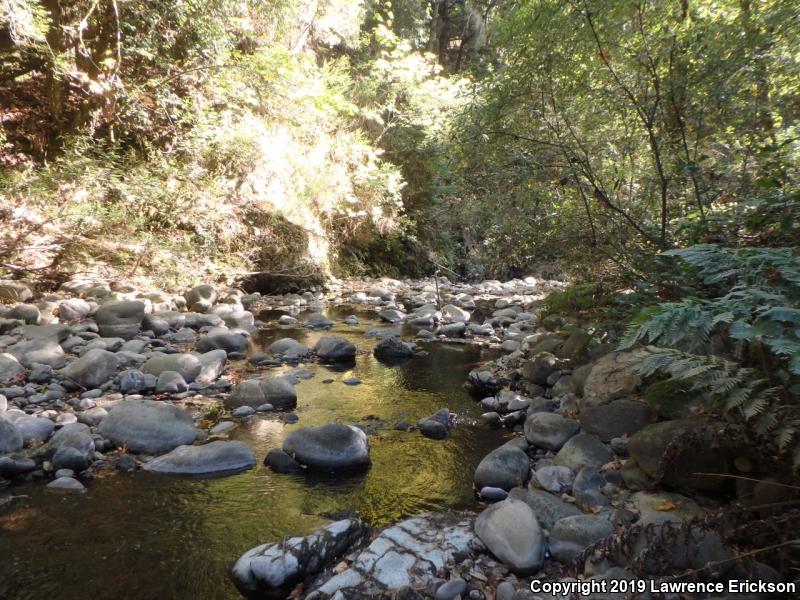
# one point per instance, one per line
(149, 537)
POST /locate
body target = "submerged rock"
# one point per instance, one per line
(66, 485)
(214, 458)
(271, 570)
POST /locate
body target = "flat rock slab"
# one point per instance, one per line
(270, 570)
(148, 426)
(409, 553)
(215, 458)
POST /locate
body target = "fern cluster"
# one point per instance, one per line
(723, 384)
(748, 299)
(760, 306)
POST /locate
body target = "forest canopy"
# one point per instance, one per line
(332, 135)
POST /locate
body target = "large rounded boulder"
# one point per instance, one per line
(92, 369)
(121, 318)
(148, 426)
(511, 532)
(332, 447)
(505, 467)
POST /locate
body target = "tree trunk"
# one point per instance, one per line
(56, 85)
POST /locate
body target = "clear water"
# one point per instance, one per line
(150, 537)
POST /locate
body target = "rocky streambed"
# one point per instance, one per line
(377, 439)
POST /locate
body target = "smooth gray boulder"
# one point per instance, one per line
(335, 349)
(277, 391)
(230, 342)
(170, 382)
(213, 363)
(10, 437)
(92, 369)
(510, 530)
(570, 536)
(214, 458)
(272, 570)
(549, 430)
(188, 365)
(616, 419)
(120, 318)
(44, 351)
(609, 379)
(201, 298)
(73, 435)
(148, 426)
(9, 366)
(34, 429)
(332, 447)
(549, 509)
(583, 450)
(505, 467)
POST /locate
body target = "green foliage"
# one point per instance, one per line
(744, 305)
(759, 307)
(670, 397)
(724, 384)
(574, 299)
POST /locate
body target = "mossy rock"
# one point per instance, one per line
(671, 397)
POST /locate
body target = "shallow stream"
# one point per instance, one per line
(148, 537)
